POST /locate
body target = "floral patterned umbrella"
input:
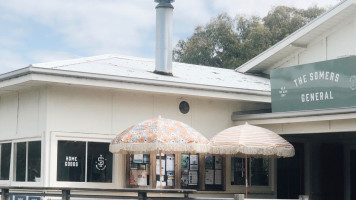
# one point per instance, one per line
(159, 135)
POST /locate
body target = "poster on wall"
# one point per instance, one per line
(209, 176)
(170, 179)
(141, 177)
(185, 161)
(193, 178)
(170, 162)
(138, 158)
(194, 167)
(133, 177)
(146, 158)
(218, 162)
(170, 182)
(185, 180)
(163, 167)
(194, 159)
(218, 176)
(209, 162)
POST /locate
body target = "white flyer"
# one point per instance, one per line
(170, 162)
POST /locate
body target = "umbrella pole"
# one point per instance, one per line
(160, 169)
(246, 174)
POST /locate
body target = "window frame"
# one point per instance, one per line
(252, 188)
(81, 137)
(12, 181)
(8, 182)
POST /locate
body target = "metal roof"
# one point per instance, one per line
(129, 68)
(300, 38)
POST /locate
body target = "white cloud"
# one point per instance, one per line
(49, 56)
(93, 26)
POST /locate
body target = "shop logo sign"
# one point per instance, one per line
(71, 161)
(283, 91)
(320, 85)
(100, 163)
(353, 82)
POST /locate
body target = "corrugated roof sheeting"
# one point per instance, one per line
(131, 67)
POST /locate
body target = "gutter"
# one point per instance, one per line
(74, 74)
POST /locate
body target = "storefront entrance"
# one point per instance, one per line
(350, 173)
(353, 174)
(324, 167)
(290, 174)
(332, 171)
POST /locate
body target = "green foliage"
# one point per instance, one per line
(228, 42)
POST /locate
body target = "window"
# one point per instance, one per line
(213, 172)
(258, 171)
(28, 161)
(79, 161)
(71, 161)
(99, 162)
(184, 107)
(5, 154)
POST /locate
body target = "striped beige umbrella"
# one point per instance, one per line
(250, 141)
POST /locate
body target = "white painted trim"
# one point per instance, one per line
(299, 116)
(25, 183)
(56, 136)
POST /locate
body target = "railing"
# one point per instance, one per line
(68, 193)
(125, 193)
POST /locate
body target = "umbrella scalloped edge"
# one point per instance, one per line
(241, 151)
(156, 147)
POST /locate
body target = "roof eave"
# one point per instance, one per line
(249, 65)
(74, 74)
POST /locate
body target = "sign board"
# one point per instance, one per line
(321, 85)
(22, 197)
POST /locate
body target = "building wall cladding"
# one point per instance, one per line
(22, 114)
(61, 112)
(88, 110)
(331, 44)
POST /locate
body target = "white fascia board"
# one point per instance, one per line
(130, 83)
(297, 116)
(131, 86)
(15, 80)
(294, 36)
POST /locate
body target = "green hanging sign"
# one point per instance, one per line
(321, 85)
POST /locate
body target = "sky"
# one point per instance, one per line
(50, 30)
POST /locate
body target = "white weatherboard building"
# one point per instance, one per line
(57, 119)
(90, 100)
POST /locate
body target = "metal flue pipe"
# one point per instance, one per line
(164, 35)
